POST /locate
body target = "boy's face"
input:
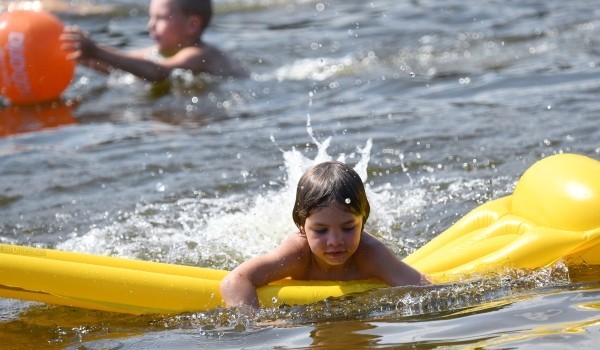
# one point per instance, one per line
(333, 235)
(168, 26)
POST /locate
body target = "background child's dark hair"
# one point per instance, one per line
(200, 8)
(326, 183)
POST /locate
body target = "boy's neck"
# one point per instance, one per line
(323, 271)
(168, 53)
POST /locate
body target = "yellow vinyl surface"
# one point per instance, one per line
(553, 214)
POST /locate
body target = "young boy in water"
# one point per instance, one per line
(176, 27)
(330, 212)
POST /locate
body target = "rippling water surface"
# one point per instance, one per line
(441, 104)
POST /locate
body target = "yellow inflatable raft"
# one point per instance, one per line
(553, 214)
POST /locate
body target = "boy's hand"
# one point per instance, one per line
(79, 42)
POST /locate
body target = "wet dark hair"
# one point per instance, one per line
(326, 183)
(200, 8)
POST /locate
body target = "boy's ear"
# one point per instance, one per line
(301, 229)
(194, 23)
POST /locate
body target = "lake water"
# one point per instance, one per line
(441, 104)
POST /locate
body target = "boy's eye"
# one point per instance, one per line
(349, 229)
(320, 230)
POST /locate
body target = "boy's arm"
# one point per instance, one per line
(141, 67)
(102, 57)
(95, 64)
(238, 288)
(384, 265)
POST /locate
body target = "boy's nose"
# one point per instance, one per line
(335, 238)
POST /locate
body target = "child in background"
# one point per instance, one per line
(177, 27)
(330, 212)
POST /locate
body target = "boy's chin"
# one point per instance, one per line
(335, 260)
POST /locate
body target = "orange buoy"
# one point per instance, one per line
(33, 67)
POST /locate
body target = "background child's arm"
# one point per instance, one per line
(95, 64)
(138, 66)
(101, 57)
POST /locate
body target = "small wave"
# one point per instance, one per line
(317, 69)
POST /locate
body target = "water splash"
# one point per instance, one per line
(212, 232)
(297, 164)
(402, 303)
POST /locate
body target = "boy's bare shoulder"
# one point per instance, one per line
(215, 61)
(144, 52)
(372, 250)
(370, 243)
(292, 256)
(296, 244)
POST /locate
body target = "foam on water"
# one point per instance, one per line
(318, 69)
